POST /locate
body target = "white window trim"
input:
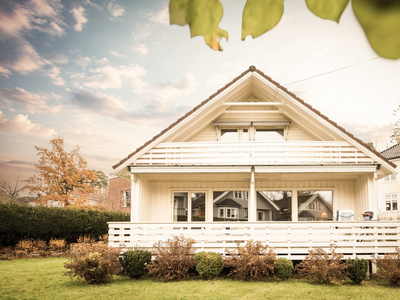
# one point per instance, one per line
(390, 201)
(225, 214)
(125, 199)
(189, 208)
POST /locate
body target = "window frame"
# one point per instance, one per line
(189, 206)
(390, 201)
(125, 200)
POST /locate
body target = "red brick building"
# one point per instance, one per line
(120, 194)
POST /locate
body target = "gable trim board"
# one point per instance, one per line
(281, 95)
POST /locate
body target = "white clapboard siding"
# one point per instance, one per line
(292, 240)
(254, 153)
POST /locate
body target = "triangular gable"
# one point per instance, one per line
(311, 199)
(254, 77)
(269, 201)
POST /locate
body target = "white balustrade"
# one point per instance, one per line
(254, 153)
(290, 239)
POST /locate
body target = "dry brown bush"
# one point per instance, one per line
(173, 259)
(322, 267)
(388, 267)
(251, 261)
(93, 262)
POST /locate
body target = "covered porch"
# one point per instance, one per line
(291, 240)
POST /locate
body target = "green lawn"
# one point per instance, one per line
(42, 279)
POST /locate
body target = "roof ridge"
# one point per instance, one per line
(278, 85)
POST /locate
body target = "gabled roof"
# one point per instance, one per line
(392, 152)
(278, 86)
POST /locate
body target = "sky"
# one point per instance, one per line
(109, 75)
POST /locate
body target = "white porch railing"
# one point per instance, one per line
(254, 153)
(290, 239)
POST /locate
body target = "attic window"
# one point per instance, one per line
(269, 135)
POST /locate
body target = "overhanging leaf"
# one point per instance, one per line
(177, 12)
(327, 9)
(203, 17)
(380, 20)
(260, 16)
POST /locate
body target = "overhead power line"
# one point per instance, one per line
(349, 66)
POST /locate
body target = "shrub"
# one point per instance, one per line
(173, 259)
(283, 268)
(320, 267)
(39, 222)
(208, 264)
(93, 262)
(134, 262)
(252, 261)
(357, 269)
(388, 267)
(23, 247)
(56, 245)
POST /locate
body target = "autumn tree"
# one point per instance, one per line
(62, 176)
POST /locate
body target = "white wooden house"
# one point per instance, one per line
(389, 188)
(254, 161)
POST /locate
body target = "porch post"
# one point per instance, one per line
(134, 200)
(295, 210)
(252, 200)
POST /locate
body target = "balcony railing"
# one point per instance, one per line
(254, 153)
(290, 239)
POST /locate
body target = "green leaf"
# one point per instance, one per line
(177, 12)
(327, 9)
(260, 16)
(203, 17)
(380, 20)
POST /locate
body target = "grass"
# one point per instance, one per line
(42, 278)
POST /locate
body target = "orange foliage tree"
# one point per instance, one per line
(62, 176)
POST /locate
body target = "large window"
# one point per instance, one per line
(314, 205)
(230, 205)
(391, 202)
(194, 210)
(274, 206)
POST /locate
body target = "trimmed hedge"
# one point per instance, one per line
(19, 222)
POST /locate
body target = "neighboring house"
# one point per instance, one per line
(389, 187)
(253, 157)
(119, 195)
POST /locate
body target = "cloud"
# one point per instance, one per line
(4, 72)
(98, 103)
(150, 111)
(115, 53)
(41, 15)
(79, 16)
(141, 35)
(109, 77)
(162, 16)
(82, 61)
(22, 125)
(24, 19)
(174, 89)
(141, 49)
(115, 10)
(53, 74)
(34, 103)
(27, 59)
(57, 58)
(216, 79)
